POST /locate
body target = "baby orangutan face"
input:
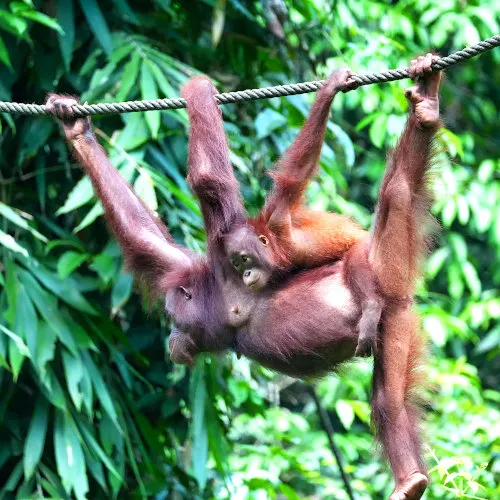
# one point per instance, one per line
(250, 257)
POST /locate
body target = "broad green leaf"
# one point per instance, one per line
(149, 91)
(48, 308)
(66, 18)
(35, 440)
(93, 444)
(17, 355)
(13, 24)
(345, 413)
(122, 290)
(144, 188)
(135, 133)
(69, 261)
(64, 289)
(129, 77)
(52, 389)
(198, 427)
(38, 17)
(17, 341)
(100, 388)
(80, 195)
(105, 266)
(95, 212)
(268, 121)
(70, 459)
(378, 130)
(26, 320)
(46, 346)
(73, 370)
(97, 24)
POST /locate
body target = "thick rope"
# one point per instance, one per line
(251, 94)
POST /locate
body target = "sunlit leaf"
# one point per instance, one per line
(345, 413)
(10, 243)
(144, 188)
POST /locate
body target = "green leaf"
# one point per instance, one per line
(218, 17)
(345, 413)
(149, 91)
(69, 261)
(13, 24)
(35, 440)
(66, 17)
(436, 261)
(94, 446)
(10, 243)
(51, 387)
(198, 426)
(18, 352)
(436, 329)
(267, 121)
(17, 341)
(38, 17)
(100, 388)
(64, 289)
(135, 133)
(73, 370)
(4, 54)
(129, 77)
(378, 130)
(80, 195)
(70, 459)
(46, 346)
(472, 279)
(144, 188)
(95, 212)
(105, 266)
(97, 24)
(26, 320)
(16, 219)
(122, 290)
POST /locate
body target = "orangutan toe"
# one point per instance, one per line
(412, 489)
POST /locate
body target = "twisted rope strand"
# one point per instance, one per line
(251, 94)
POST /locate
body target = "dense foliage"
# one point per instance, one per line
(90, 404)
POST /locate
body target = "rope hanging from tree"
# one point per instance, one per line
(251, 94)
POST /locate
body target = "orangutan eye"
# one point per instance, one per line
(245, 258)
(263, 239)
(187, 295)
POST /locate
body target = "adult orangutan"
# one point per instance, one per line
(306, 324)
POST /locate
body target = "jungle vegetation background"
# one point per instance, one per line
(90, 405)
